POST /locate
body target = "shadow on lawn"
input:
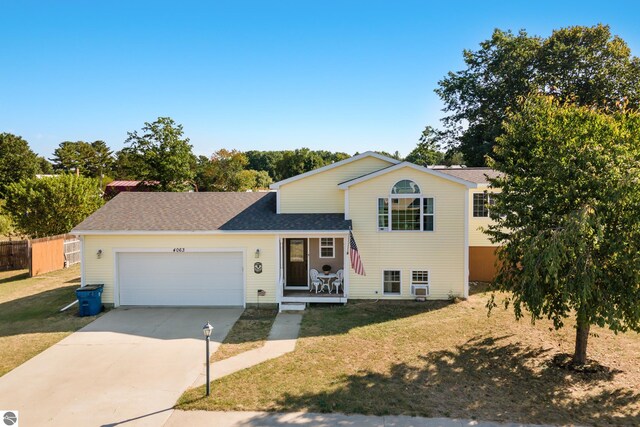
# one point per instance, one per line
(485, 379)
(12, 276)
(325, 319)
(25, 315)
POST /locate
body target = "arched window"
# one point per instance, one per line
(405, 186)
(405, 209)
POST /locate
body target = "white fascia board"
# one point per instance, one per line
(429, 171)
(277, 185)
(203, 232)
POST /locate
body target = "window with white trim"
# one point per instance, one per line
(405, 209)
(383, 214)
(391, 282)
(327, 247)
(420, 280)
(481, 204)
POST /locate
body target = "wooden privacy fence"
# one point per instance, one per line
(14, 255)
(40, 255)
(71, 251)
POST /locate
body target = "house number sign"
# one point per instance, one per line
(178, 249)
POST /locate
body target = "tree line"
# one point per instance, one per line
(158, 154)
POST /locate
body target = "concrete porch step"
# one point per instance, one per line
(292, 306)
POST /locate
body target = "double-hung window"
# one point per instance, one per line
(383, 214)
(391, 282)
(481, 204)
(327, 247)
(406, 209)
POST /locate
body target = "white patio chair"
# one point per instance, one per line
(315, 281)
(339, 280)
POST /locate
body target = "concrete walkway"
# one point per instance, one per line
(282, 340)
(302, 419)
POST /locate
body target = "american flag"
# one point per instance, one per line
(356, 262)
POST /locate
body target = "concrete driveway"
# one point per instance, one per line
(128, 367)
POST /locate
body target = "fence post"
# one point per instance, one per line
(29, 258)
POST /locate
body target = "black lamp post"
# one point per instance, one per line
(207, 330)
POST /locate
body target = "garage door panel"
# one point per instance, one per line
(181, 298)
(192, 278)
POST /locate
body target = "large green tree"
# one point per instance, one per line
(161, 153)
(265, 161)
(93, 159)
(587, 65)
(219, 172)
(44, 166)
(17, 161)
(427, 152)
(6, 223)
(251, 180)
(128, 165)
(227, 170)
(299, 161)
(567, 218)
(51, 205)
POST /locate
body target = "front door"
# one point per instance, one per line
(296, 262)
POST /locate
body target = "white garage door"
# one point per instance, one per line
(191, 278)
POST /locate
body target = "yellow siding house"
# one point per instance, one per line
(415, 228)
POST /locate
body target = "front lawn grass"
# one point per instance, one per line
(437, 359)
(249, 332)
(30, 321)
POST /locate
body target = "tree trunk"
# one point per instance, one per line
(582, 336)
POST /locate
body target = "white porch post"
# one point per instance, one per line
(347, 264)
(279, 283)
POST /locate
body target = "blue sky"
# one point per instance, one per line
(343, 76)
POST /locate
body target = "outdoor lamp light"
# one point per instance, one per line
(99, 253)
(207, 330)
(257, 253)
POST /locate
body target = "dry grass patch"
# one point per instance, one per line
(437, 359)
(30, 321)
(249, 332)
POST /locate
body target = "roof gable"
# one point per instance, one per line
(391, 161)
(345, 185)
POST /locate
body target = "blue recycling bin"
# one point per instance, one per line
(89, 300)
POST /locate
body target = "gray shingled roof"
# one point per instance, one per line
(476, 175)
(206, 211)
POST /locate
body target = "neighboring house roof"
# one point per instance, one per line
(207, 211)
(476, 175)
(123, 183)
(131, 183)
(430, 171)
(277, 185)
